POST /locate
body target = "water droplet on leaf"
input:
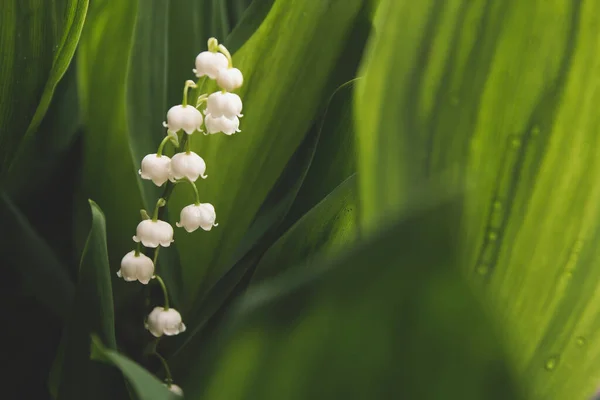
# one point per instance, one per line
(551, 363)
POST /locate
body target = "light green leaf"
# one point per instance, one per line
(325, 229)
(388, 319)
(146, 386)
(38, 40)
(109, 173)
(92, 313)
(281, 96)
(503, 98)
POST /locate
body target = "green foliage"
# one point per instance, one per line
(421, 227)
(38, 40)
(384, 320)
(500, 98)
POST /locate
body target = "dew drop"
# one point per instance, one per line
(497, 205)
(515, 143)
(551, 363)
(581, 341)
(492, 236)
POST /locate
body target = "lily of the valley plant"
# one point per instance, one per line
(222, 111)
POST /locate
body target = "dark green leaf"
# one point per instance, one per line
(251, 18)
(30, 257)
(38, 40)
(145, 385)
(389, 319)
(325, 229)
(92, 313)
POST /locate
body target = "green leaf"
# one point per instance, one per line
(388, 319)
(145, 385)
(335, 157)
(250, 19)
(503, 96)
(26, 253)
(38, 40)
(277, 115)
(109, 172)
(92, 313)
(325, 229)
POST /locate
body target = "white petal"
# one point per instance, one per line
(155, 168)
(230, 79)
(209, 64)
(187, 165)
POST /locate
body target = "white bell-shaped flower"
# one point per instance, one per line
(224, 104)
(164, 322)
(155, 168)
(187, 165)
(228, 126)
(175, 389)
(136, 267)
(195, 216)
(209, 64)
(230, 79)
(154, 233)
(187, 118)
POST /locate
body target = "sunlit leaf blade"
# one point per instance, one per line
(503, 96)
(38, 40)
(109, 172)
(281, 95)
(24, 252)
(92, 313)
(389, 319)
(325, 229)
(146, 386)
(250, 19)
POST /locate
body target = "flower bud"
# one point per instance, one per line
(224, 104)
(195, 216)
(230, 79)
(164, 322)
(155, 168)
(228, 126)
(187, 165)
(209, 64)
(154, 233)
(183, 118)
(136, 267)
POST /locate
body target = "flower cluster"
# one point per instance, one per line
(221, 114)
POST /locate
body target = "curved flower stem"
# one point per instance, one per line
(169, 378)
(159, 203)
(226, 53)
(196, 195)
(164, 289)
(155, 259)
(161, 146)
(188, 84)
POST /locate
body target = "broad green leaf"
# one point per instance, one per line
(325, 229)
(109, 173)
(281, 96)
(249, 20)
(38, 40)
(502, 97)
(30, 257)
(146, 386)
(92, 313)
(46, 153)
(388, 319)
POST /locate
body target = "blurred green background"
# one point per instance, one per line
(411, 210)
